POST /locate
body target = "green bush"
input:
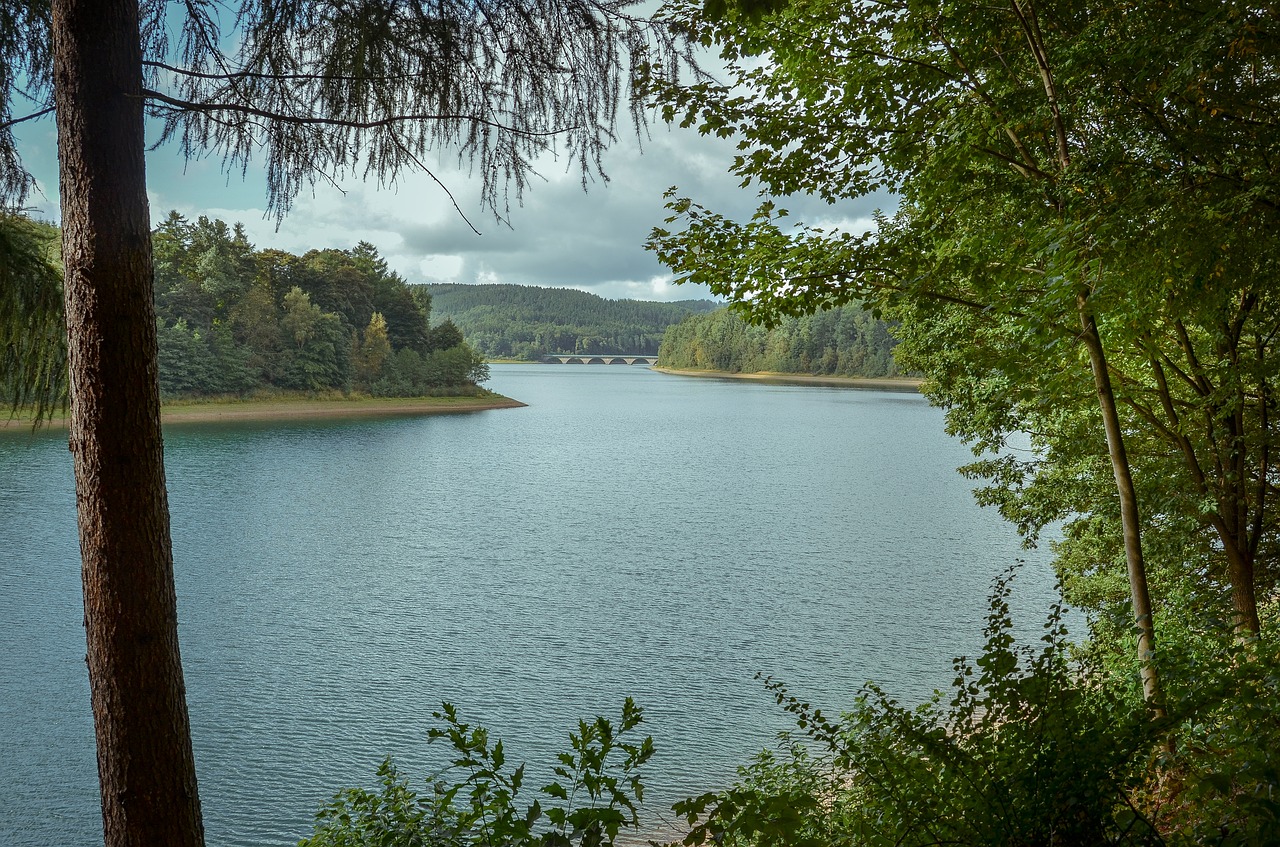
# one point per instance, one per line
(1222, 784)
(1029, 747)
(593, 798)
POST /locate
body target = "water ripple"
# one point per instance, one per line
(626, 534)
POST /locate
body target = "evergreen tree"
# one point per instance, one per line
(321, 91)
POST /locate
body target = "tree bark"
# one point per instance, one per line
(1136, 565)
(145, 764)
(1244, 598)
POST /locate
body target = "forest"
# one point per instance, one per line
(234, 320)
(528, 322)
(844, 341)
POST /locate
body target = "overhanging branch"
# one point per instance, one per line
(316, 120)
(236, 75)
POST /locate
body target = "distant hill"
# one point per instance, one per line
(527, 322)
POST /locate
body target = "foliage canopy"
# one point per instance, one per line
(1084, 248)
(232, 319)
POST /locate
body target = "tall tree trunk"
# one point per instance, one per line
(1240, 564)
(145, 764)
(1138, 591)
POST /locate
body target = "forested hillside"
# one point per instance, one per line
(526, 322)
(845, 341)
(235, 320)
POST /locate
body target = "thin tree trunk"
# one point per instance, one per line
(145, 764)
(1232, 508)
(1137, 568)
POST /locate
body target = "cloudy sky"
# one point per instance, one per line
(561, 236)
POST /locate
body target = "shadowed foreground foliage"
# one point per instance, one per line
(593, 798)
(1030, 745)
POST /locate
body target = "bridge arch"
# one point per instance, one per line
(606, 359)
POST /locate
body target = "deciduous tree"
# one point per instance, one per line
(1041, 153)
(374, 350)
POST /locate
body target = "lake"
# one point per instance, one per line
(629, 533)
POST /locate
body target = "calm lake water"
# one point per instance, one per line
(629, 533)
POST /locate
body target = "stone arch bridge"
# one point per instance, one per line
(586, 359)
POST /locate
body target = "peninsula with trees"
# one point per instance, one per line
(299, 335)
(235, 320)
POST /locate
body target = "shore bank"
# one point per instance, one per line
(216, 411)
(896, 383)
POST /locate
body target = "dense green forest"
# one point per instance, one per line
(236, 320)
(527, 322)
(844, 341)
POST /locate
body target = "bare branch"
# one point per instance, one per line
(25, 118)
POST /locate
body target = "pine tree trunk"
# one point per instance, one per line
(1137, 568)
(145, 764)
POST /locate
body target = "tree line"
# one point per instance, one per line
(529, 322)
(843, 341)
(232, 319)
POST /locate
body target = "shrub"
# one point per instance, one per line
(592, 799)
(1028, 748)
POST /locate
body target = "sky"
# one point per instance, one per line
(560, 237)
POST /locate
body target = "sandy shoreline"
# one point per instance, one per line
(902, 383)
(276, 410)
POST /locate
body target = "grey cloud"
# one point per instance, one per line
(563, 236)
(559, 235)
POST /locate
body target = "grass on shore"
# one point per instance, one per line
(267, 406)
(886, 383)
